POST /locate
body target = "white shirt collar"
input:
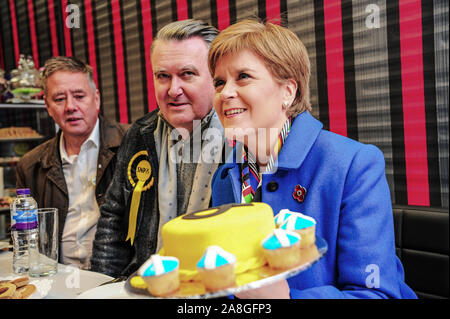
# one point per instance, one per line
(93, 138)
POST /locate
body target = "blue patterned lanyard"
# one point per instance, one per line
(250, 175)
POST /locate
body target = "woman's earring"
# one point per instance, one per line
(285, 105)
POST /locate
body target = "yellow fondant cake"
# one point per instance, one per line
(236, 228)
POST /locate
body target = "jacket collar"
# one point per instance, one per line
(304, 131)
(51, 157)
(109, 138)
(109, 134)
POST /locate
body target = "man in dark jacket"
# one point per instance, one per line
(73, 170)
(168, 157)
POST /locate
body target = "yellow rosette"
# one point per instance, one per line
(139, 173)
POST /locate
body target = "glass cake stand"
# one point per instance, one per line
(249, 280)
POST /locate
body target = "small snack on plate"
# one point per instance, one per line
(24, 292)
(304, 225)
(6, 201)
(161, 275)
(217, 269)
(282, 215)
(18, 132)
(7, 290)
(282, 249)
(20, 282)
(19, 288)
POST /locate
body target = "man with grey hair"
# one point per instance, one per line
(167, 160)
(72, 171)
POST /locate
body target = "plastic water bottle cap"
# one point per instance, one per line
(23, 191)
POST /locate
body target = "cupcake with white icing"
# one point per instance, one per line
(282, 249)
(304, 225)
(282, 215)
(217, 269)
(160, 273)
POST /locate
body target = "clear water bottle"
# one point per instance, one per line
(24, 229)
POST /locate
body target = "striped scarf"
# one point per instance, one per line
(250, 174)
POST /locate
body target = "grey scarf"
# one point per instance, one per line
(206, 152)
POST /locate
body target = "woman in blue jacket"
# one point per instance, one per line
(284, 158)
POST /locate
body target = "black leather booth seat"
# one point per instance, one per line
(421, 238)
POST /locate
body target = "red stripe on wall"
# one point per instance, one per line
(182, 9)
(148, 38)
(15, 34)
(53, 35)
(273, 11)
(91, 38)
(410, 13)
(120, 63)
(335, 66)
(223, 14)
(67, 38)
(33, 37)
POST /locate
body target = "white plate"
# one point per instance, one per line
(260, 277)
(110, 291)
(43, 286)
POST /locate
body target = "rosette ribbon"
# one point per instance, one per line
(139, 176)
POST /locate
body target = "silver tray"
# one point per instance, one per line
(255, 278)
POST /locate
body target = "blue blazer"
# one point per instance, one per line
(348, 195)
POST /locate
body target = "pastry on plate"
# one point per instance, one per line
(217, 269)
(304, 225)
(282, 249)
(160, 273)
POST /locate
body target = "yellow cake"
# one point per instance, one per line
(236, 228)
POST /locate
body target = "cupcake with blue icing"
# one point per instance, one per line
(302, 224)
(217, 269)
(160, 273)
(282, 249)
(282, 215)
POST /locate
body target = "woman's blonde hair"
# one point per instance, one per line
(284, 54)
